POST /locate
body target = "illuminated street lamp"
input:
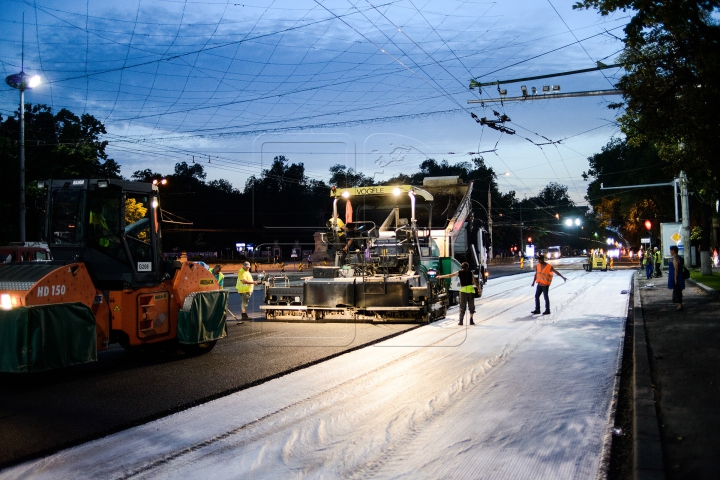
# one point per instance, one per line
(574, 221)
(22, 81)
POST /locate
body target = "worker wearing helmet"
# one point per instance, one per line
(543, 276)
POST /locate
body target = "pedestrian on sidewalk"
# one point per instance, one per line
(468, 283)
(676, 279)
(543, 276)
(245, 284)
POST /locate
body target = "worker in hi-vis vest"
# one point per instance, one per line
(245, 284)
(543, 276)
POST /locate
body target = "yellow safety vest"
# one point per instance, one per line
(244, 287)
(544, 274)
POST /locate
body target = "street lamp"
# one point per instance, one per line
(574, 221)
(22, 81)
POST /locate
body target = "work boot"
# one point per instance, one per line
(471, 321)
(546, 312)
(460, 322)
(535, 312)
(245, 316)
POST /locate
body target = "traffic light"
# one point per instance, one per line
(529, 240)
(648, 225)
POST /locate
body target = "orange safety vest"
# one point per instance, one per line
(544, 274)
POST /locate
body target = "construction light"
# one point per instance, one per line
(502, 92)
(556, 88)
(546, 88)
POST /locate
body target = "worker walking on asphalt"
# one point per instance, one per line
(245, 284)
(543, 276)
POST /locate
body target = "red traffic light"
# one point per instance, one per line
(529, 239)
(648, 224)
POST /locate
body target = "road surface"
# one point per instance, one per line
(517, 396)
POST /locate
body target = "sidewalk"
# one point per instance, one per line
(683, 357)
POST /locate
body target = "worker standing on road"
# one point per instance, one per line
(468, 283)
(658, 262)
(218, 275)
(543, 276)
(245, 284)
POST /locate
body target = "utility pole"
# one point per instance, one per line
(522, 246)
(685, 206)
(490, 248)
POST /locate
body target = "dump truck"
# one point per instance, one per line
(386, 255)
(107, 282)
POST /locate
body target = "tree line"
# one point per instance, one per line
(281, 203)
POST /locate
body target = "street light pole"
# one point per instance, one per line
(22, 82)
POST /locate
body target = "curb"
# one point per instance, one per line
(647, 454)
(703, 287)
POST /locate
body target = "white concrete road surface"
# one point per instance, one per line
(518, 396)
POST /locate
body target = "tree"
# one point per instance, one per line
(194, 171)
(670, 90)
(222, 185)
(344, 177)
(283, 196)
(57, 146)
(624, 209)
(146, 176)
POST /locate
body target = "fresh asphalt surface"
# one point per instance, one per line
(43, 413)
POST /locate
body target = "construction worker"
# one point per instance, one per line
(658, 262)
(543, 276)
(468, 284)
(245, 284)
(648, 263)
(218, 275)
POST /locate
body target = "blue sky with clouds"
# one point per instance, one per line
(376, 85)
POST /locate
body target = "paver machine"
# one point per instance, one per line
(385, 257)
(107, 282)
